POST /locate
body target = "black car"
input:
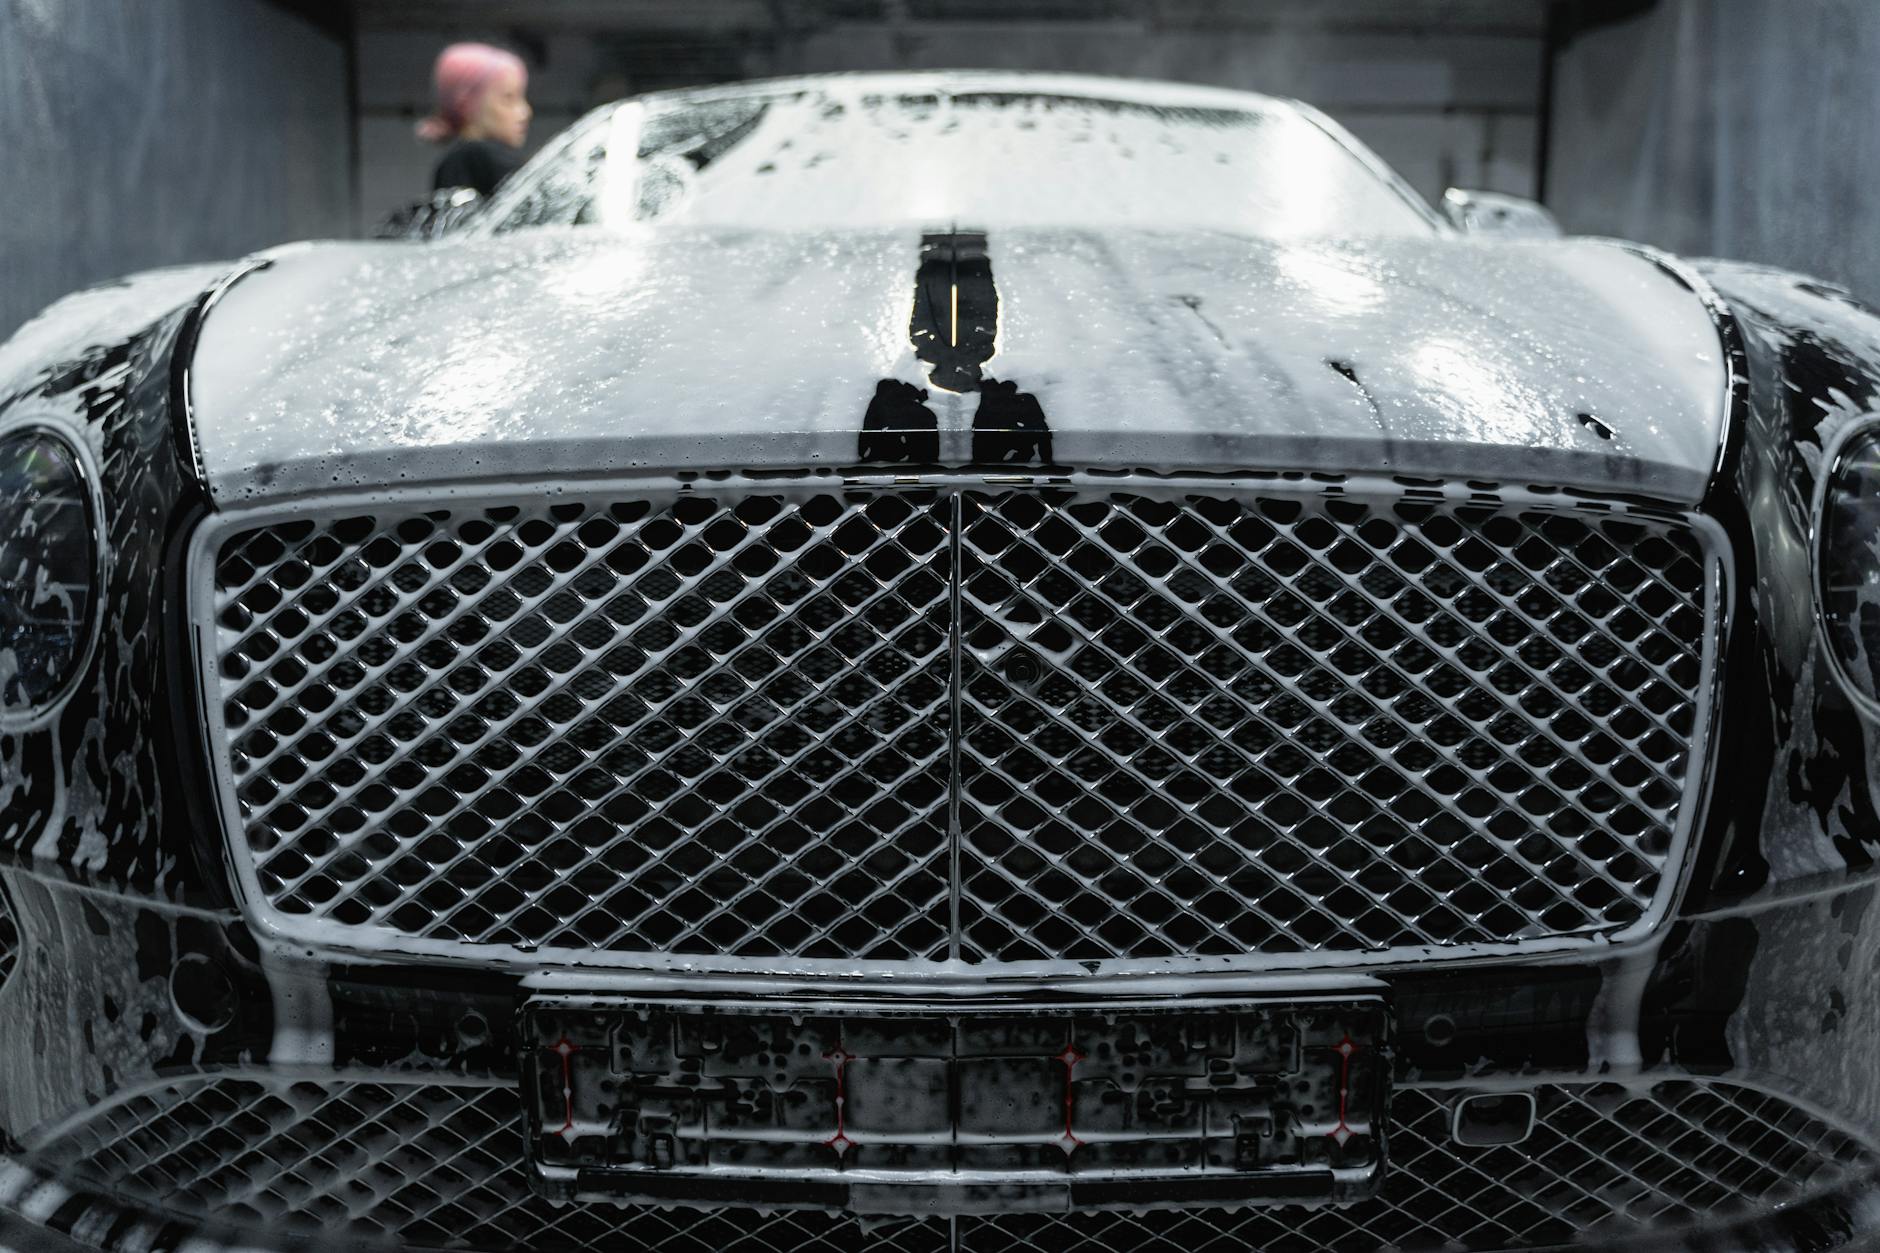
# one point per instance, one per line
(943, 661)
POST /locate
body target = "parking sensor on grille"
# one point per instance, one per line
(1486, 1119)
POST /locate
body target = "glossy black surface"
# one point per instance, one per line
(48, 569)
(129, 963)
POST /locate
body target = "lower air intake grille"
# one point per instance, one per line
(1140, 726)
(441, 1166)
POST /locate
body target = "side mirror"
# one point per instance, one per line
(1492, 213)
(437, 214)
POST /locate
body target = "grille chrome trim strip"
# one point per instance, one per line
(929, 971)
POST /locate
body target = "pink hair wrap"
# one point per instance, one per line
(464, 72)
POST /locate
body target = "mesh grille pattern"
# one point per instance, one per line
(705, 728)
(9, 937)
(1214, 726)
(441, 1165)
(1184, 726)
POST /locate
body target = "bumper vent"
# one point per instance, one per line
(1002, 727)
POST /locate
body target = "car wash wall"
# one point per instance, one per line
(1730, 128)
(141, 133)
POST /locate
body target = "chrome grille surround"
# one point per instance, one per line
(1256, 724)
(434, 1163)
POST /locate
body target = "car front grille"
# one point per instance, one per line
(944, 723)
(441, 1165)
(9, 935)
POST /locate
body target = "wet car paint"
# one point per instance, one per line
(562, 354)
(114, 881)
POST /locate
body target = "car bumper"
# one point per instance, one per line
(165, 1073)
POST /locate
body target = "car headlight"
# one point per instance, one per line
(49, 575)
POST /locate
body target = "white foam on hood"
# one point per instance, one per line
(98, 315)
(567, 352)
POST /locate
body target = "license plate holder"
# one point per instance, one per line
(923, 1109)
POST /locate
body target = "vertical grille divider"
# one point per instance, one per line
(955, 644)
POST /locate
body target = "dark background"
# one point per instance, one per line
(136, 133)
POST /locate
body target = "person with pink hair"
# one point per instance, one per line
(483, 106)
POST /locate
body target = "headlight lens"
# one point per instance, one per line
(48, 572)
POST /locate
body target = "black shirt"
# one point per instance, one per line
(476, 163)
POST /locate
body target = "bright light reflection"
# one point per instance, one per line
(463, 399)
(1498, 407)
(1330, 280)
(1300, 154)
(619, 191)
(604, 276)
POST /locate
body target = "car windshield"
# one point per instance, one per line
(823, 157)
